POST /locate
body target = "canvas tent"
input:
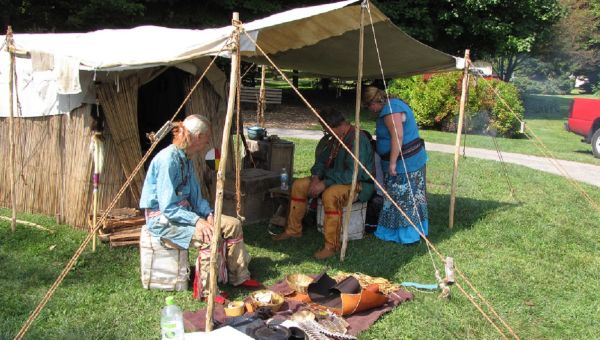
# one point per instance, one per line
(61, 76)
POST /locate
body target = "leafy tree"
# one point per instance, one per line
(578, 37)
(88, 15)
(504, 31)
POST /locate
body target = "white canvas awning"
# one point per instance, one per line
(322, 40)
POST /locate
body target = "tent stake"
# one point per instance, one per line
(233, 79)
(11, 126)
(348, 212)
(461, 113)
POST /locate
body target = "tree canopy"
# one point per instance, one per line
(502, 31)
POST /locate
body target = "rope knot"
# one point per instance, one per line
(236, 23)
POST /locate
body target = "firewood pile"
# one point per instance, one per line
(122, 227)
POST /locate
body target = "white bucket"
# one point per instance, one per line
(162, 268)
(356, 227)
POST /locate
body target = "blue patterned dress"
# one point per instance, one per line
(393, 225)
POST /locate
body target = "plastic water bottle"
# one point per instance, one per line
(171, 321)
(284, 179)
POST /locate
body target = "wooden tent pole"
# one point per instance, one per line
(233, 79)
(461, 113)
(11, 127)
(348, 212)
(260, 113)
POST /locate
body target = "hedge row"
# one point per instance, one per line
(435, 102)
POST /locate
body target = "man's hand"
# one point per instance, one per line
(205, 229)
(316, 188)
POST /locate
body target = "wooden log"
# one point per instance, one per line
(116, 224)
(124, 243)
(127, 235)
(125, 229)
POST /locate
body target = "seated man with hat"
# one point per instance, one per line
(331, 179)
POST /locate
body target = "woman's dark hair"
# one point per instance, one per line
(332, 117)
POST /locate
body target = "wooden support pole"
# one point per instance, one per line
(11, 126)
(262, 101)
(233, 79)
(348, 212)
(96, 180)
(461, 113)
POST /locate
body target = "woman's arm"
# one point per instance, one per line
(393, 122)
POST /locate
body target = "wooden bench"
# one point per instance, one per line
(250, 95)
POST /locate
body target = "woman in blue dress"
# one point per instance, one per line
(403, 162)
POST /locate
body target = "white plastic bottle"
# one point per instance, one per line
(171, 321)
(284, 179)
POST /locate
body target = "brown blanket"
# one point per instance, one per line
(195, 321)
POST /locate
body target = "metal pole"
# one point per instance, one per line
(348, 212)
(233, 79)
(461, 113)
(11, 127)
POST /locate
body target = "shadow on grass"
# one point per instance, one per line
(585, 152)
(546, 107)
(369, 255)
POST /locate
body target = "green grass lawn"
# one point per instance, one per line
(535, 257)
(545, 115)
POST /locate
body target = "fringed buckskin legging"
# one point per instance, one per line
(334, 199)
(233, 268)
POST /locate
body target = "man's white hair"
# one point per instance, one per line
(196, 124)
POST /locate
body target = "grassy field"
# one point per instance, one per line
(534, 256)
(545, 115)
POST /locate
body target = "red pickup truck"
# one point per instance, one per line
(584, 120)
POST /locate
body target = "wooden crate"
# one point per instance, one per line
(273, 155)
(256, 202)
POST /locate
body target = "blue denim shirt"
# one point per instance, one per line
(169, 183)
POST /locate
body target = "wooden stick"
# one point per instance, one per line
(95, 192)
(212, 278)
(11, 128)
(348, 212)
(30, 224)
(461, 113)
(260, 119)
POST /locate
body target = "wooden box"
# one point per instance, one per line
(256, 202)
(273, 155)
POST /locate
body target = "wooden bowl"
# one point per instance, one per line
(274, 303)
(299, 282)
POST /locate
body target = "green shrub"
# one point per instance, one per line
(505, 112)
(436, 101)
(560, 85)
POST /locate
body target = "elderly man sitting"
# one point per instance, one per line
(177, 213)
